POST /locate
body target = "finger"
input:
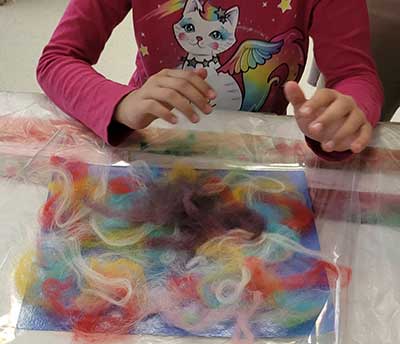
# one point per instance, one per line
(359, 144)
(294, 95)
(350, 127)
(201, 72)
(142, 122)
(147, 111)
(187, 90)
(174, 99)
(321, 100)
(195, 79)
(158, 110)
(335, 112)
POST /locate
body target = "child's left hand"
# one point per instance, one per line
(331, 118)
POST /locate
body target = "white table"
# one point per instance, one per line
(372, 311)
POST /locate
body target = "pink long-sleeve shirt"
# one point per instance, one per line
(250, 49)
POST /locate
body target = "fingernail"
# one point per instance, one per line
(356, 148)
(195, 118)
(305, 110)
(316, 126)
(207, 108)
(174, 120)
(329, 145)
(212, 94)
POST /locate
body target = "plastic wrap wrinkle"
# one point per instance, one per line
(356, 208)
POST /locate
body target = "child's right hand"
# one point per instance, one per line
(161, 93)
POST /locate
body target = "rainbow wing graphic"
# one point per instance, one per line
(167, 8)
(251, 54)
(258, 60)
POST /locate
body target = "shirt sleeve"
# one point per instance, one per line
(342, 49)
(65, 70)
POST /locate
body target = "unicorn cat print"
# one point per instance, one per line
(204, 33)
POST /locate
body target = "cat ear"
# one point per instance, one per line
(233, 16)
(192, 6)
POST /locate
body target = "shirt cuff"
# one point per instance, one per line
(113, 132)
(369, 101)
(117, 133)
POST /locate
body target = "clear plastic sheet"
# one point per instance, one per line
(356, 213)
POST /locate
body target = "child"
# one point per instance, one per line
(232, 54)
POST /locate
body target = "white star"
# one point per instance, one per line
(142, 34)
(264, 4)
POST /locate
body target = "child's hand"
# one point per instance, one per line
(161, 93)
(330, 118)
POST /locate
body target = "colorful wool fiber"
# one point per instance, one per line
(196, 251)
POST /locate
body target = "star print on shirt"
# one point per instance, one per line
(264, 4)
(192, 62)
(221, 15)
(285, 5)
(144, 50)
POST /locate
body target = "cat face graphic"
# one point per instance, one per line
(205, 30)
